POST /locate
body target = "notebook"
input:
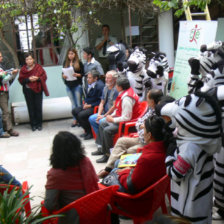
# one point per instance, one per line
(128, 160)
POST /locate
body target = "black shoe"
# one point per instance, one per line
(73, 125)
(103, 159)
(83, 135)
(34, 128)
(96, 153)
(39, 128)
(88, 136)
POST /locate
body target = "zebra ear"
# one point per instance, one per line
(188, 100)
(199, 101)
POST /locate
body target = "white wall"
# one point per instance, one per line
(166, 37)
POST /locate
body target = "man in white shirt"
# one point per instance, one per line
(102, 43)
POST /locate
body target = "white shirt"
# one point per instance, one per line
(99, 40)
(127, 110)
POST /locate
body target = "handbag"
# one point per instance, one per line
(111, 179)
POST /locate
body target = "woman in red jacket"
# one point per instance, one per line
(33, 79)
(150, 166)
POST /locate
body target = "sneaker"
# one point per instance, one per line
(5, 135)
(13, 133)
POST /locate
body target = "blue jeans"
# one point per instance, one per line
(1, 125)
(75, 96)
(6, 177)
(94, 124)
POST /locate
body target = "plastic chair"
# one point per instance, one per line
(141, 207)
(25, 188)
(92, 208)
(94, 112)
(125, 126)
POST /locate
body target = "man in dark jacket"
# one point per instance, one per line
(93, 93)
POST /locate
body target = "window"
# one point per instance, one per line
(30, 36)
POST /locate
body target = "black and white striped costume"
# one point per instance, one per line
(158, 70)
(137, 74)
(214, 57)
(216, 79)
(191, 167)
(209, 56)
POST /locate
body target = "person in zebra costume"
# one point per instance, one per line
(117, 58)
(213, 77)
(190, 166)
(136, 73)
(158, 70)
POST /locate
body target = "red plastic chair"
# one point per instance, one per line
(141, 207)
(94, 112)
(92, 208)
(125, 126)
(25, 188)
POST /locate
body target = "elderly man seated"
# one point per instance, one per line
(106, 106)
(126, 108)
(93, 94)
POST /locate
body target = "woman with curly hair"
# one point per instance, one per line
(71, 177)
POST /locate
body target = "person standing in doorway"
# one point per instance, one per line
(102, 43)
(33, 79)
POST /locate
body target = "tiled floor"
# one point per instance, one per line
(27, 156)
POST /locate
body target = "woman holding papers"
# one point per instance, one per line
(33, 79)
(72, 73)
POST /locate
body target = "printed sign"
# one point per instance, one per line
(192, 34)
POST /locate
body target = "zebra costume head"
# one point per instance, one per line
(158, 66)
(137, 61)
(198, 119)
(116, 55)
(158, 71)
(209, 64)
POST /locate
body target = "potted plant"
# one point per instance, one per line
(13, 210)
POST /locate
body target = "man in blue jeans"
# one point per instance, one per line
(106, 106)
(2, 133)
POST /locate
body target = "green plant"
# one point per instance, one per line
(12, 207)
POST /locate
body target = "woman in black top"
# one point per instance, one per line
(73, 87)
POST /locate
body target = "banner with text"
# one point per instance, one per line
(192, 34)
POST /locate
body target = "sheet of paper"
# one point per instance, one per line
(69, 72)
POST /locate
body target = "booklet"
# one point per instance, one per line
(69, 72)
(128, 160)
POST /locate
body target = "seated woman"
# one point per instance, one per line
(71, 177)
(130, 145)
(150, 166)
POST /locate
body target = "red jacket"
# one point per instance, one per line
(150, 167)
(118, 103)
(37, 86)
